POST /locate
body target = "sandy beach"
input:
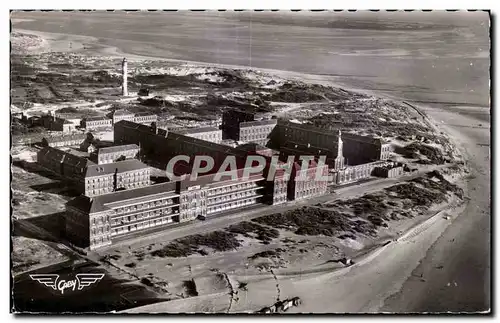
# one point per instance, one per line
(442, 265)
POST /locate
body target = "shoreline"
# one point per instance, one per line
(79, 42)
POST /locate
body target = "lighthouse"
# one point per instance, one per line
(124, 73)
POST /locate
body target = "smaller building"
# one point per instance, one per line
(115, 153)
(93, 123)
(257, 131)
(122, 114)
(390, 170)
(145, 118)
(65, 141)
(64, 164)
(108, 178)
(53, 123)
(211, 134)
(350, 174)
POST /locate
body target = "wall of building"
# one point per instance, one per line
(231, 123)
(257, 131)
(77, 227)
(106, 158)
(306, 183)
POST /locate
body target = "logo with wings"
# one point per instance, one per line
(53, 281)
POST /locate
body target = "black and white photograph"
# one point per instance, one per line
(258, 162)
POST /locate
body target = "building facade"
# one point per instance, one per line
(93, 123)
(257, 131)
(112, 154)
(67, 166)
(308, 179)
(231, 120)
(122, 114)
(98, 221)
(111, 177)
(211, 134)
(145, 118)
(53, 123)
(65, 141)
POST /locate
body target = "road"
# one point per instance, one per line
(225, 220)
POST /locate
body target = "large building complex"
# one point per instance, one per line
(91, 179)
(107, 214)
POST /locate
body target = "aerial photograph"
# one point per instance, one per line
(257, 162)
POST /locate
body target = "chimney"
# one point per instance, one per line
(154, 128)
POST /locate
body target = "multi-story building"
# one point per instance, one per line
(91, 179)
(307, 179)
(93, 123)
(53, 123)
(114, 153)
(257, 131)
(65, 141)
(211, 134)
(119, 115)
(107, 178)
(98, 221)
(295, 139)
(231, 120)
(145, 118)
(65, 165)
(389, 170)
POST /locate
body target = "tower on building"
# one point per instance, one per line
(340, 160)
(124, 74)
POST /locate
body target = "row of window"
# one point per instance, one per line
(230, 197)
(142, 225)
(100, 230)
(143, 215)
(256, 130)
(145, 205)
(231, 188)
(100, 241)
(309, 192)
(231, 205)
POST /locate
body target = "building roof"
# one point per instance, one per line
(251, 147)
(65, 157)
(96, 118)
(100, 203)
(145, 114)
(115, 149)
(187, 131)
(118, 167)
(258, 123)
(76, 136)
(122, 112)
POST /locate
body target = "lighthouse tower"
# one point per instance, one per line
(124, 73)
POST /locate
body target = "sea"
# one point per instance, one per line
(437, 57)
